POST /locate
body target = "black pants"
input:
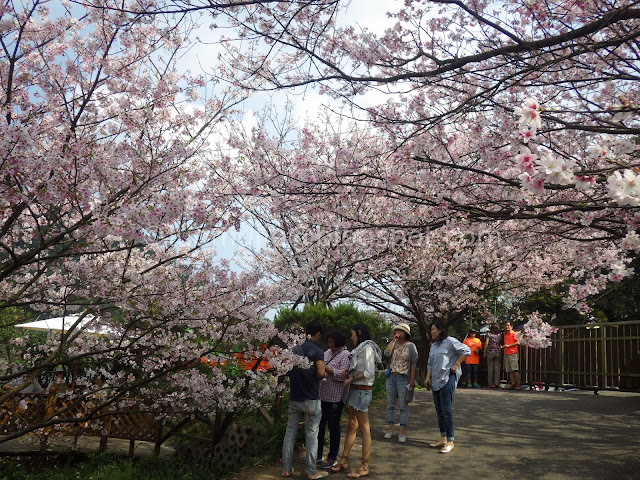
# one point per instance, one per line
(331, 413)
(471, 372)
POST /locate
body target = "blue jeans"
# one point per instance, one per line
(442, 400)
(396, 386)
(331, 413)
(310, 412)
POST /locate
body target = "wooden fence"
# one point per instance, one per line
(25, 409)
(600, 356)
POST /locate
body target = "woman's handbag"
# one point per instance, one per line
(410, 392)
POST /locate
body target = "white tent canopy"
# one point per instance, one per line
(59, 324)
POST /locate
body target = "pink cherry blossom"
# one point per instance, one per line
(526, 161)
(532, 183)
(536, 332)
(529, 114)
(631, 241)
(585, 182)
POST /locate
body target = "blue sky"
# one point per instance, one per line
(370, 14)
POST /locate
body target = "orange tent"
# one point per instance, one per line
(243, 361)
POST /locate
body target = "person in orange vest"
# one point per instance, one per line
(472, 362)
(511, 356)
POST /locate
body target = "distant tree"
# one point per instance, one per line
(549, 302)
(8, 317)
(334, 317)
(618, 302)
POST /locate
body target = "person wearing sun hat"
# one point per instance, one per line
(401, 379)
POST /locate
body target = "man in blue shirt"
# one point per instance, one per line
(304, 403)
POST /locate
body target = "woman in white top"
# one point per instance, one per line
(360, 376)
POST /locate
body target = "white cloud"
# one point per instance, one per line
(249, 121)
(369, 14)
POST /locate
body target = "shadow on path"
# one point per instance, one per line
(504, 434)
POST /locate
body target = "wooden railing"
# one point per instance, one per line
(601, 356)
(25, 409)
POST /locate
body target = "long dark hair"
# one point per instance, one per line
(362, 332)
(441, 325)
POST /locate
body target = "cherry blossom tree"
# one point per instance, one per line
(110, 203)
(515, 116)
(312, 250)
(501, 111)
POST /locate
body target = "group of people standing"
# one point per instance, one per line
(336, 376)
(495, 343)
(318, 395)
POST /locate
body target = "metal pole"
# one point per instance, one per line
(603, 350)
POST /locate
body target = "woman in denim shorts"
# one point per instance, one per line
(360, 377)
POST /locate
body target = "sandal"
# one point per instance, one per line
(363, 471)
(343, 464)
(319, 474)
(290, 474)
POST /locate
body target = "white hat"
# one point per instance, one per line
(404, 327)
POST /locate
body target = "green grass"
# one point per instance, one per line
(99, 467)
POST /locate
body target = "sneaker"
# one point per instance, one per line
(389, 434)
(402, 438)
(328, 463)
(447, 448)
(469, 385)
(475, 385)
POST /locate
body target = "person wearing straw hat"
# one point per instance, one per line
(401, 378)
